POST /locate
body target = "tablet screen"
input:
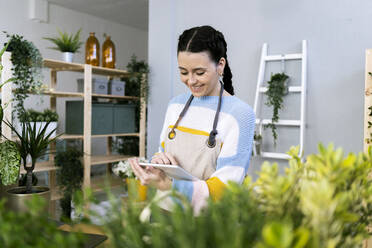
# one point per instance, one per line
(173, 171)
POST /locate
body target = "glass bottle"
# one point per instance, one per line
(92, 50)
(108, 53)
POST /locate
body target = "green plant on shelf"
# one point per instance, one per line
(66, 42)
(27, 62)
(69, 176)
(276, 90)
(31, 115)
(31, 142)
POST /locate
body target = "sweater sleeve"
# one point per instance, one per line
(232, 162)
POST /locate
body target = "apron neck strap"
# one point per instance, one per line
(212, 135)
(211, 142)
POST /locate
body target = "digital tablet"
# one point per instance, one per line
(173, 171)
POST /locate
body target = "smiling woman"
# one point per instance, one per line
(209, 132)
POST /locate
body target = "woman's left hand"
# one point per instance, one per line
(150, 175)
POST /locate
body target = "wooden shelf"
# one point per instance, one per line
(65, 66)
(79, 94)
(71, 136)
(116, 135)
(41, 166)
(102, 159)
(77, 136)
(63, 94)
(97, 184)
(105, 159)
(116, 97)
(88, 71)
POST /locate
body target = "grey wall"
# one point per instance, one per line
(337, 31)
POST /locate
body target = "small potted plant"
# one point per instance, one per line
(41, 119)
(136, 190)
(67, 44)
(69, 176)
(31, 145)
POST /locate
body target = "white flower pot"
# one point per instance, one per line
(40, 125)
(67, 57)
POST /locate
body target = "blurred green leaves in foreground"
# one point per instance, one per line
(325, 201)
(33, 229)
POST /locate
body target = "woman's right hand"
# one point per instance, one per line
(163, 158)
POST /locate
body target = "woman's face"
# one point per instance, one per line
(200, 73)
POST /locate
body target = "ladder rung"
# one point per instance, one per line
(275, 155)
(280, 122)
(290, 89)
(286, 57)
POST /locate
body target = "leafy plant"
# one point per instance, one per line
(32, 142)
(323, 202)
(7, 81)
(9, 155)
(65, 42)
(69, 176)
(9, 162)
(275, 92)
(31, 115)
(27, 63)
(136, 85)
(34, 229)
(257, 137)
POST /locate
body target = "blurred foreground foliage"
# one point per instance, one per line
(325, 201)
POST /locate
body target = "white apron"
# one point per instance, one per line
(195, 151)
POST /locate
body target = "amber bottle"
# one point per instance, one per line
(108, 53)
(92, 50)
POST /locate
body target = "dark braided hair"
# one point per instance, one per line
(207, 39)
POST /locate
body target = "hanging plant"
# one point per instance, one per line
(27, 63)
(277, 88)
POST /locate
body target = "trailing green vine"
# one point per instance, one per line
(275, 92)
(27, 62)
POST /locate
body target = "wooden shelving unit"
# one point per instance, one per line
(89, 159)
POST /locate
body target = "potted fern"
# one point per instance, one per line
(68, 44)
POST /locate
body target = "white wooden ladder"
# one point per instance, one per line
(292, 89)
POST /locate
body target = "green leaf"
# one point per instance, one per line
(277, 235)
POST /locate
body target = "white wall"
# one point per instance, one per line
(337, 32)
(14, 19)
